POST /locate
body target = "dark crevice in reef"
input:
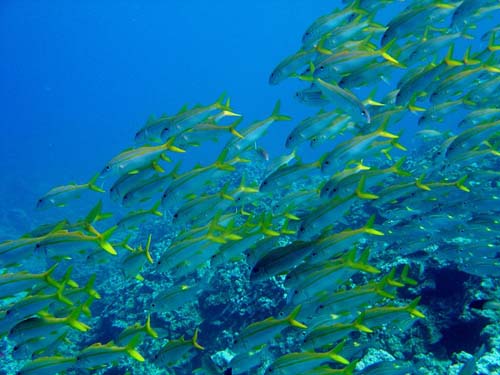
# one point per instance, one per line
(447, 301)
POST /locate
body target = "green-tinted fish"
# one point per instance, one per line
(298, 363)
(132, 264)
(98, 354)
(190, 117)
(307, 280)
(290, 65)
(175, 351)
(46, 325)
(415, 18)
(345, 100)
(13, 283)
(47, 365)
(206, 131)
(174, 298)
(312, 126)
(329, 213)
(31, 305)
(130, 333)
(64, 243)
(280, 260)
(258, 334)
(133, 160)
(352, 149)
(61, 195)
(254, 132)
(327, 336)
(331, 21)
(376, 317)
(133, 219)
(191, 181)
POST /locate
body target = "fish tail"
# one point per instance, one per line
(334, 356)
(460, 184)
(396, 168)
(389, 279)
(169, 145)
(154, 209)
(130, 349)
(360, 193)
(220, 163)
(405, 278)
(88, 288)
(232, 128)
(194, 340)
(48, 278)
(368, 228)
(491, 43)
(385, 54)
(149, 330)
(468, 60)
(358, 324)
(276, 115)
(412, 308)
(86, 306)
(419, 183)
(362, 262)
(72, 320)
(449, 60)
(92, 186)
(147, 252)
(61, 298)
(96, 214)
(103, 240)
(291, 318)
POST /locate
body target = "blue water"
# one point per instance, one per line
(78, 79)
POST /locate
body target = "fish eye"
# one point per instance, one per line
(153, 304)
(321, 68)
(327, 162)
(295, 292)
(176, 215)
(107, 167)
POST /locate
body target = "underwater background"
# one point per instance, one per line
(79, 79)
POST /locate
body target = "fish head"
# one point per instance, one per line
(43, 203)
(275, 77)
(106, 171)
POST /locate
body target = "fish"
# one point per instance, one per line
(133, 160)
(99, 354)
(176, 350)
(62, 195)
(299, 362)
(47, 365)
(256, 335)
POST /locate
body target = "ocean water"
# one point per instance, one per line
(78, 79)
